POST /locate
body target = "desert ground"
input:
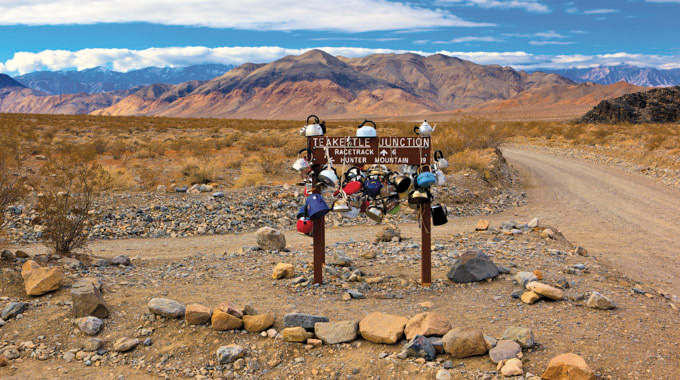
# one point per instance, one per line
(607, 222)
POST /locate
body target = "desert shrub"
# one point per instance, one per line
(64, 206)
(251, 175)
(199, 172)
(118, 148)
(100, 145)
(116, 179)
(12, 181)
(252, 143)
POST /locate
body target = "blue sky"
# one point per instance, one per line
(525, 34)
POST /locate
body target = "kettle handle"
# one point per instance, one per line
(313, 116)
(367, 121)
(438, 154)
(306, 150)
(416, 129)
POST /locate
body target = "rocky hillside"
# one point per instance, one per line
(26, 100)
(7, 82)
(654, 106)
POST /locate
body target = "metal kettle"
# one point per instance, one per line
(424, 129)
(315, 128)
(364, 130)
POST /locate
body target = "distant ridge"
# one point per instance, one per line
(7, 82)
(660, 105)
(639, 76)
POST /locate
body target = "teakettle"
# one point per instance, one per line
(304, 226)
(314, 129)
(328, 177)
(366, 130)
(424, 129)
(316, 206)
(425, 178)
(375, 213)
(439, 215)
(401, 182)
(441, 161)
(341, 203)
(301, 164)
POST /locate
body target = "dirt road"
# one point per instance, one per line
(626, 219)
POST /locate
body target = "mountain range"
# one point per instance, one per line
(640, 76)
(99, 79)
(380, 86)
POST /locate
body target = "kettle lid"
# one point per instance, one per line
(425, 124)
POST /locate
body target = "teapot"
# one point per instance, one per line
(315, 129)
(441, 161)
(364, 130)
(301, 164)
(424, 129)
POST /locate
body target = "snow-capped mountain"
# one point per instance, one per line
(640, 76)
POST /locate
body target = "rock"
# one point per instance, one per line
(70, 263)
(68, 357)
(306, 321)
(2, 322)
(521, 335)
(6, 253)
(166, 307)
(222, 321)
(295, 334)
(568, 367)
(270, 239)
(125, 344)
(472, 266)
(12, 309)
(523, 278)
(562, 283)
(314, 342)
(370, 254)
(482, 225)
(3, 361)
(383, 328)
(512, 367)
(580, 251)
(462, 343)
(504, 350)
(491, 342)
(599, 301)
(21, 254)
(218, 194)
(228, 354)
(388, 233)
(340, 260)
(196, 314)
(421, 347)
(336, 332)
(88, 300)
(232, 309)
(427, 324)
(353, 293)
(257, 323)
(40, 280)
(283, 270)
(533, 223)
(92, 345)
(547, 234)
(545, 290)
(121, 260)
(529, 297)
(90, 325)
(92, 280)
(443, 374)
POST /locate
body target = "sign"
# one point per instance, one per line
(359, 151)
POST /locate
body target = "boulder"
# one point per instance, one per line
(599, 301)
(21, 254)
(427, 324)
(383, 328)
(196, 314)
(90, 325)
(231, 308)
(166, 307)
(472, 266)
(121, 260)
(7, 254)
(530, 297)
(3, 361)
(521, 335)
(545, 290)
(228, 354)
(388, 233)
(512, 367)
(40, 280)
(568, 367)
(306, 321)
(295, 334)
(270, 239)
(462, 343)
(125, 344)
(222, 321)
(92, 345)
(504, 350)
(523, 278)
(482, 225)
(283, 270)
(421, 347)
(336, 332)
(88, 301)
(12, 309)
(257, 323)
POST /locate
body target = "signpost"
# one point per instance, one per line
(360, 151)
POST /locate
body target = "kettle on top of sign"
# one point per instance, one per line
(315, 128)
(424, 129)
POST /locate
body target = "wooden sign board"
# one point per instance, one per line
(359, 151)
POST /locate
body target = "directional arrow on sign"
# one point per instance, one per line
(383, 152)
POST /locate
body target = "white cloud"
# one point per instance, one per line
(346, 15)
(549, 34)
(663, 1)
(543, 43)
(600, 11)
(127, 59)
(534, 6)
(469, 39)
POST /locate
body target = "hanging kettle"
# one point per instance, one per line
(375, 213)
(388, 190)
(316, 206)
(425, 178)
(439, 215)
(401, 182)
(304, 226)
(419, 196)
(328, 177)
(408, 169)
(372, 187)
(441, 177)
(364, 130)
(302, 213)
(424, 129)
(340, 204)
(301, 164)
(441, 161)
(314, 128)
(392, 205)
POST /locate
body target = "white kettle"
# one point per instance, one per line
(424, 129)
(364, 130)
(313, 129)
